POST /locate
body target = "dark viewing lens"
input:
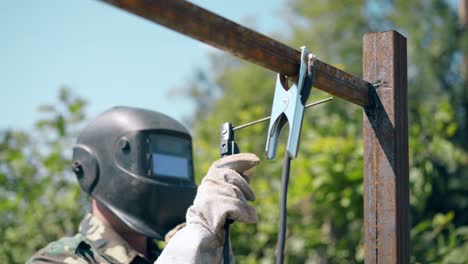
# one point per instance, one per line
(169, 165)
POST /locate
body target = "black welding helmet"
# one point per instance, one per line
(138, 163)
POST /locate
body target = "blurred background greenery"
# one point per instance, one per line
(40, 201)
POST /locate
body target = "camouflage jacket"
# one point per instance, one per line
(94, 243)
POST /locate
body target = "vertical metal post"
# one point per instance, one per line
(463, 20)
(463, 12)
(386, 178)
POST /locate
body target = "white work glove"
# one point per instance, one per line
(223, 193)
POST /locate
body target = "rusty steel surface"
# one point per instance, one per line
(463, 12)
(201, 24)
(386, 177)
(463, 20)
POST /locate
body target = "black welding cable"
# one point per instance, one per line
(227, 247)
(283, 209)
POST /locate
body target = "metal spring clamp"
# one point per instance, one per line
(288, 106)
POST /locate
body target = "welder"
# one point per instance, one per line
(137, 167)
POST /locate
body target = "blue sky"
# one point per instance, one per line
(106, 55)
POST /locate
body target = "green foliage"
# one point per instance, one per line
(38, 194)
(439, 241)
(325, 199)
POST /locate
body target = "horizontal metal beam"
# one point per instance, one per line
(210, 28)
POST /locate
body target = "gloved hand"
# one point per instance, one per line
(223, 193)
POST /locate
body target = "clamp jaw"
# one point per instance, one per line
(288, 106)
(227, 145)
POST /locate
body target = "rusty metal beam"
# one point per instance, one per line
(386, 177)
(201, 24)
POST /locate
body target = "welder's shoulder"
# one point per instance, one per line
(70, 250)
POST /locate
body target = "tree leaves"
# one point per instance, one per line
(39, 201)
